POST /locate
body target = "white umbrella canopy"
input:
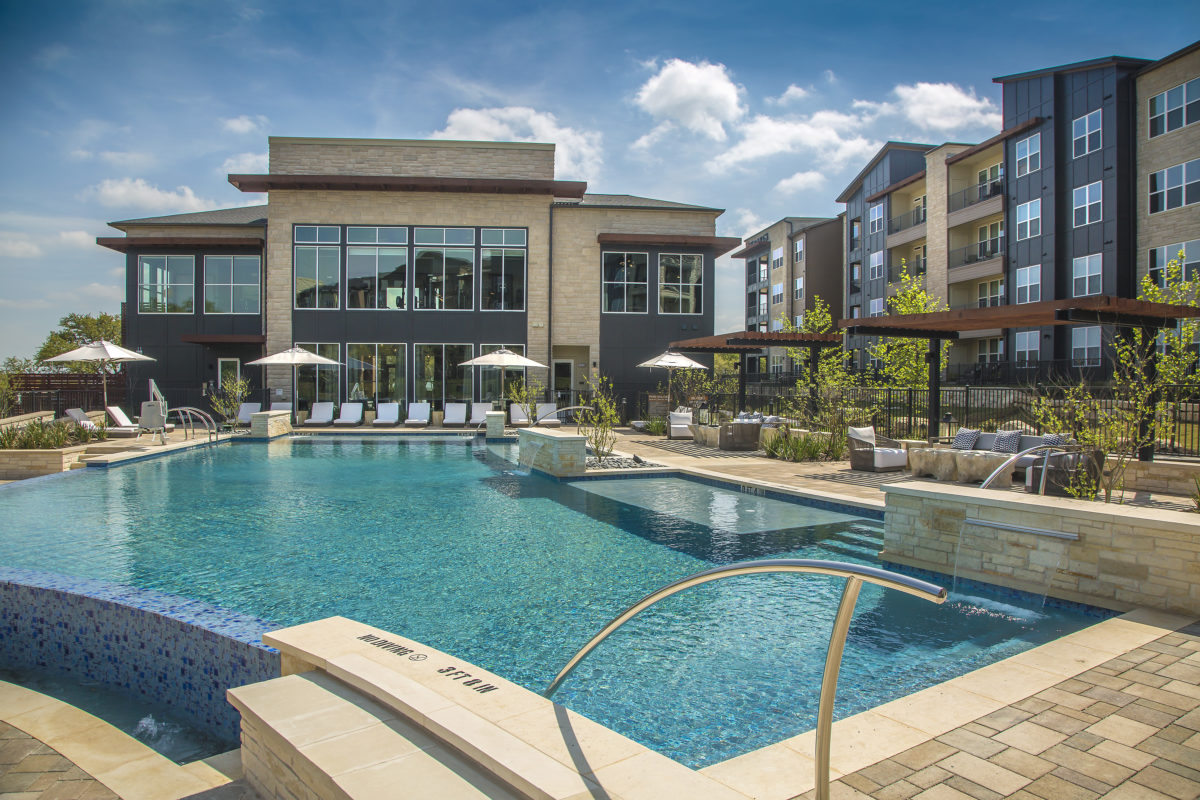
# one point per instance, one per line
(104, 352)
(292, 357)
(502, 358)
(671, 360)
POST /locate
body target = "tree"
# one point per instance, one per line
(597, 423)
(903, 360)
(832, 370)
(527, 394)
(78, 330)
(228, 401)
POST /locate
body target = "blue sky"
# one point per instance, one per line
(117, 110)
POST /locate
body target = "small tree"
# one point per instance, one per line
(821, 391)
(527, 394)
(903, 360)
(597, 423)
(228, 401)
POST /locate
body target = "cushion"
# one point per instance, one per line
(1007, 442)
(866, 434)
(965, 438)
(890, 457)
(1056, 439)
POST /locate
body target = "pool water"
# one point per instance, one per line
(446, 542)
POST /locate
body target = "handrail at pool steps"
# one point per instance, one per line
(1049, 448)
(186, 414)
(854, 574)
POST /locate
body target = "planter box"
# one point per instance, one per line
(19, 464)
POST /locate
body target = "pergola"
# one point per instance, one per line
(744, 343)
(1097, 310)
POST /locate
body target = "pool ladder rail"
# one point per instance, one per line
(189, 415)
(1050, 453)
(855, 575)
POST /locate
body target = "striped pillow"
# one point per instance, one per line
(965, 439)
(1007, 442)
(1056, 439)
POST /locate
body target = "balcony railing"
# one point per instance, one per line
(1018, 373)
(855, 242)
(980, 251)
(983, 302)
(914, 266)
(907, 220)
(975, 194)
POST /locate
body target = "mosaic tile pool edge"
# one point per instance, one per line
(164, 649)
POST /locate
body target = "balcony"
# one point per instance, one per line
(1017, 373)
(915, 267)
(988, 302)
(904, 221)
(979, 260)
(975, 202)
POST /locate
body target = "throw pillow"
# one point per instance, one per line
(965, 439)
(1056, 439)
(1007, 442)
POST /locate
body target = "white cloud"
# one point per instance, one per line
(700, 97)
(128, 160)
(23, 304)
(829, 76)
(940, 107)
(577, 153)
(648, 140)
(136, 193)
(244, 164)
(79, 239)
(792, 93)
(801, 181)
(116, 272)
(743, 223)
(831, 135)
(245, 124)
(18, 246)
(81, 154)
(103, 291)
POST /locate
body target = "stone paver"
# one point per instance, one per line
(30, 770)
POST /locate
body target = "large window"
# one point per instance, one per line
(376, 276)
(625, 282)
(316, 276)
(438, 376)
(1029, 155)
(777, 293)
(991, 293)
(1027, 348)
(443, 277)
(1175, 108)
(360, 235)
(1088, 204)
(1085, 134)
(166, 284)
(1029, 219)
(1029, 284)
(317, 234)
(502, 279)
(231, 284)
(1085, 346)
(876, 265)
(318, 383)
(990, 351)
(1161, 256)
(446, 236)
(876, 307)
(1085, 274)
(1175, 186)
(491, 382)
(375, 373)
(777, 258)
(680, 276)
(875, 218)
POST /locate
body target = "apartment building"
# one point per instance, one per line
(787, 265)
(401, 259)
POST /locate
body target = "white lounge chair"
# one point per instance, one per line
(874, 453)
(479, 413)
(81, 419)
(123, 427)
(679, 425)
(351, 415)
(545, 416)
(281, 406)
(456, 415)
(321, 414)
(387, 415)
(517, 417)
(245, 410)
(418, 415)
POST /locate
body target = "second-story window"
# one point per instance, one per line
(166, 284)
(231, 284)
(1175, 186)
(875, 218)
(1029, 284)
(376, 276)
(1175, 108)
(991, 293)
(317, 269)
(1159, 257)
(443, 277)
(777, 258)
(1029, 155)
(1085, 134)
(625, 283)
(798, 288)
(876, 264)
(1088, 204)
(776, 293)
(798, 249)
(876, 307)
(502, 271)
(1085, 275)
(680, 281)
(1029, 219)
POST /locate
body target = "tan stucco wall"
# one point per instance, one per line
(215, 231)
(415, 158)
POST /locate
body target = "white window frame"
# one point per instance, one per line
(1185, 98)
(163, 289)
(1085, 346)
(443, 249)
(1024, 343)
(1029, 280)
(316, 234)
(1029, 215)
(317, 250)
(990, 293)
(875, 218)
(508, 237)
(1031, 161)
(237, 370)
(877, 307)
(442, 394)
(233, 283)
(504, 250)
(799, 321)
(1090, 200)
(798, 250)
(777, 258)
(798, 288)
(875, 269)
(1158, 258)
(1083, 129)
(435, 236)
(989, 351)
(374, 400)
(1086, 275)
(382, 235)
(626, 283)
(776, 293)
(1177, 176)
(336, 355)
(375, 299)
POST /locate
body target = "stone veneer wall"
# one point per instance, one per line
(436, 158)
(163, 649)
(562, 455)
(1123, 557)
(21, 464)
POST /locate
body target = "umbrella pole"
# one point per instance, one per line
(104, 383)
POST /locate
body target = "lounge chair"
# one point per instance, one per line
(81, 419)
(418, 415)
(456, 415)
(387, 415)
(281, 407)
(516, 416)
(245, 410)
(351, 415)
(321, 414)
(479, 413)
(874, 453)
(545, 416)
(679, 425)
(123, 427)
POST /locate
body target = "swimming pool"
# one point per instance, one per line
(444, 542)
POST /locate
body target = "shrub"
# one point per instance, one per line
(656, 426)
(597, 423)
(39, 435)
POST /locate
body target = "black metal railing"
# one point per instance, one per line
(906, 220)
(975, 194)
(915, 266)
(974, 253)
(983, 302)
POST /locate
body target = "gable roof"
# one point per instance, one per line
(590, 200)
(242, 215)
(888, 147)
(1116, 61)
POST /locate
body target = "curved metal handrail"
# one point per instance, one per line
(186, 413)
(855, 574)
(1015, 456)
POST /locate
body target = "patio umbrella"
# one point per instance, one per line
(104, 352)
(503, 358)
(671, 362)
(292, 357)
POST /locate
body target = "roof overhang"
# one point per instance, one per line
(1098, 310)
(719, 244)
(754, 341)
(401, 183)
(123, 244)
(999, 137)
